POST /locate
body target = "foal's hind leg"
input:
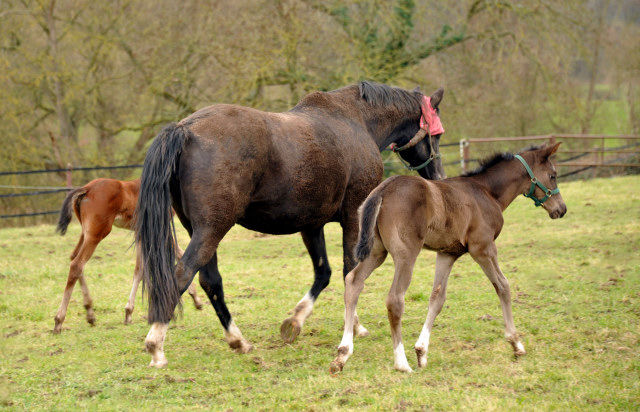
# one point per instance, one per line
(487, 258)
(444, 263)
(404, 263)
(353, 285)
(82, 254)
(137, 277)
(315, 243)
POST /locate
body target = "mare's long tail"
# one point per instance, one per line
(66, 211)
(154, 230)
(368, 220)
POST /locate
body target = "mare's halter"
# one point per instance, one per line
(417, 138)
(535, 182)
(425, 120)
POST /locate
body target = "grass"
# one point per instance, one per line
(576, 298)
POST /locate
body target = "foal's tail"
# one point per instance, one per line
(68, 205)
(154, 223)
(368, 219)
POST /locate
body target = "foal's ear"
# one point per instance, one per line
(550, 150)
(436, 97)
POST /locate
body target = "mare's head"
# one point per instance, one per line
(542, 185)
(422, 152)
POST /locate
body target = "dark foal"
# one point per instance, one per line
(453, 216)
(99, 205)
(276, 173)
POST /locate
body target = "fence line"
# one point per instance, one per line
(465, 159)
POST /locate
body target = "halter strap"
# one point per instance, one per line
(535, 182)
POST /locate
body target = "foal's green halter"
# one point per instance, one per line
(535, 182)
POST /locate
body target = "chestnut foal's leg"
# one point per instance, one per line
(487, 258)
(444, 263)
(353, 285)
(137, 277)
(81, 255)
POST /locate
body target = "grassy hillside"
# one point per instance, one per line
(576, 292)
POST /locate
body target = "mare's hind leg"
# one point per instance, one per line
(200, 252)
(192, 287)
(314, 241)
(353, 285)
(404, 263)
(211, 282)
(444, 263)
(487, 258)
(81, 255)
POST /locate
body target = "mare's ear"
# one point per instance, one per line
(417, 89)
(550, 150)
(436, 97)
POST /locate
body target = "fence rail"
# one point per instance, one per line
(576, 160)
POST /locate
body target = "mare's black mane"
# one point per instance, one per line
(380, 95)
(496, 158)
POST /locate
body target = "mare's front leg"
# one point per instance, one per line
(487, 258)
(353, 285)
(444, 263)
(314, 241)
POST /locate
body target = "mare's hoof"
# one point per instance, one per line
(336, 367)
(241, 346)
(289, 330)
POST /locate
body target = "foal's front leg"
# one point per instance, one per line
(444, 263)
(487, 258)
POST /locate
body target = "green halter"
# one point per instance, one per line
(535, 182)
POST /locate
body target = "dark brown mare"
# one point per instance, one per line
(451, 217)
(276, 173)
(99, 205)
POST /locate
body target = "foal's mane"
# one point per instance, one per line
(379, 95)
(495, 159)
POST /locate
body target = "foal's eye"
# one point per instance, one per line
(552, 177)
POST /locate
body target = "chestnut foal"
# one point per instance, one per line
(99, 205)
(451, 217)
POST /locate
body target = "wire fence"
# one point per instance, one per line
(574, 159)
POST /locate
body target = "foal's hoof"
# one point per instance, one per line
(421, 354)
(91, 318)
(127, 316)
(161, 363)
(289, 330)
(58, 327)
(518, 349)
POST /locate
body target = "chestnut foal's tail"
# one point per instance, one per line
(368, 219)
(68, 205)
(154, 222)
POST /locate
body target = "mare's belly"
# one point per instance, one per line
(286, 218)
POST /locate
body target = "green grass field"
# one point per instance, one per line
(576, 298)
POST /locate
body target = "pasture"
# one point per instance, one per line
(576, 301)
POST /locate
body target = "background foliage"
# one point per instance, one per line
(85, 82)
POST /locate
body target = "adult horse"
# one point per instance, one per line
(276, 173)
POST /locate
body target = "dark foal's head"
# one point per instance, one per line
(428, 148)
(544, 170)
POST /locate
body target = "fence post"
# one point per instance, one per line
(68, 173)
(464, 154)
